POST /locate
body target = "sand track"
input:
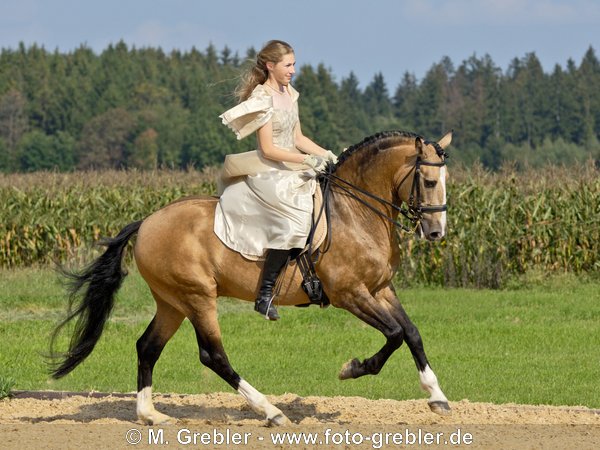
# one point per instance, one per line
(32, 420)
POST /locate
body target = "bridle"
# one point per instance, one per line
(415, 204)
(415, 208)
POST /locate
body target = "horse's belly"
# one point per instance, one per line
(243, 278)
(177, 249)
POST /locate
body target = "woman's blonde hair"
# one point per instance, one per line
(272, 52)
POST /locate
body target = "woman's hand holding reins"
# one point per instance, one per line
(330, 156)
(318, 163)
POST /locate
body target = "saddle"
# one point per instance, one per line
(309, 256)
(304, 262)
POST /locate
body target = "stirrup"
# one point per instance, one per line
(265, 308)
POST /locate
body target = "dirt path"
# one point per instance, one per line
(224, 421)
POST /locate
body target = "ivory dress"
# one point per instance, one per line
(271, 205)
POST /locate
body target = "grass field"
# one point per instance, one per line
(538, 345)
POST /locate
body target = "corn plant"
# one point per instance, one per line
(500, 224)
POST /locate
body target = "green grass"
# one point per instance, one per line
(538, 345)
(6, 386)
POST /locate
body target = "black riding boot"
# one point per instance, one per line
(274, 262)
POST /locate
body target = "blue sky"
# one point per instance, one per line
(364, 36)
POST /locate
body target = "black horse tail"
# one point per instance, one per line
(103, 278)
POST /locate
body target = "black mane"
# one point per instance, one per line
(381, 141)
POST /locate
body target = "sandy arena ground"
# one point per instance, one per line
(223, 420)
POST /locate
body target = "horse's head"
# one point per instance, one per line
(392, 168)
(427, 199)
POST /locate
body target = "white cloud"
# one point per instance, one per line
(149, 34)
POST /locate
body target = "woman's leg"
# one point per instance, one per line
(275, 261)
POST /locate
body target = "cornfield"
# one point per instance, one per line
(500, 225)
(505, 224)
(51, 217)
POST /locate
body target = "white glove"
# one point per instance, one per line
(316, 162)
(330, 156)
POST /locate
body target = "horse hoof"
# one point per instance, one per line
(347, 371)
(441, 408)
(157, 418)
(279, 420)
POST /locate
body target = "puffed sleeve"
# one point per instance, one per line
(251, 114)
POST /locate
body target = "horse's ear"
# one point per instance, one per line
(445, 141)
(419, 145)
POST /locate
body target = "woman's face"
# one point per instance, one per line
(283, 71)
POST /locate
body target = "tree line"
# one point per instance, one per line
(141, 107)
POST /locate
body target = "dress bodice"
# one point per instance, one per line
(284, 123)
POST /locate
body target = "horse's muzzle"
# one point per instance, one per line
(432, 230)
(434, 236)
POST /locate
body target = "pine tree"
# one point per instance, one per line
(13, 125)
(377, 99)
(405, 102)
(431, 114)
(589, 86)
(354, 123)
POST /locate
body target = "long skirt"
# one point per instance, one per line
(269, 210)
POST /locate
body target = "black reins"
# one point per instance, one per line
(340, 182)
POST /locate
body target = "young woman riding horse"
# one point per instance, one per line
(187, 267)
(267, 210)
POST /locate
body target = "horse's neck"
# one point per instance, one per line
(377, 175)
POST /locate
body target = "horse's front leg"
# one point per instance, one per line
(374, 312)
(429, 382)
(385, 313)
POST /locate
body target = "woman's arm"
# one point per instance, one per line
(270, 151)
(306, 145)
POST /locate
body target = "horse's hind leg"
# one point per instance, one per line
(213, 356)
(149, 347)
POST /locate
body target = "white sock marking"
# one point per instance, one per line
(144, 402)
(430, 384)
(257, 401)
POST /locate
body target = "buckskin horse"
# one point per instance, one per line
(188, 268)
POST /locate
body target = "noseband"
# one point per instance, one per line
(415, 206)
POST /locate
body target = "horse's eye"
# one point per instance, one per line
(430, 183)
